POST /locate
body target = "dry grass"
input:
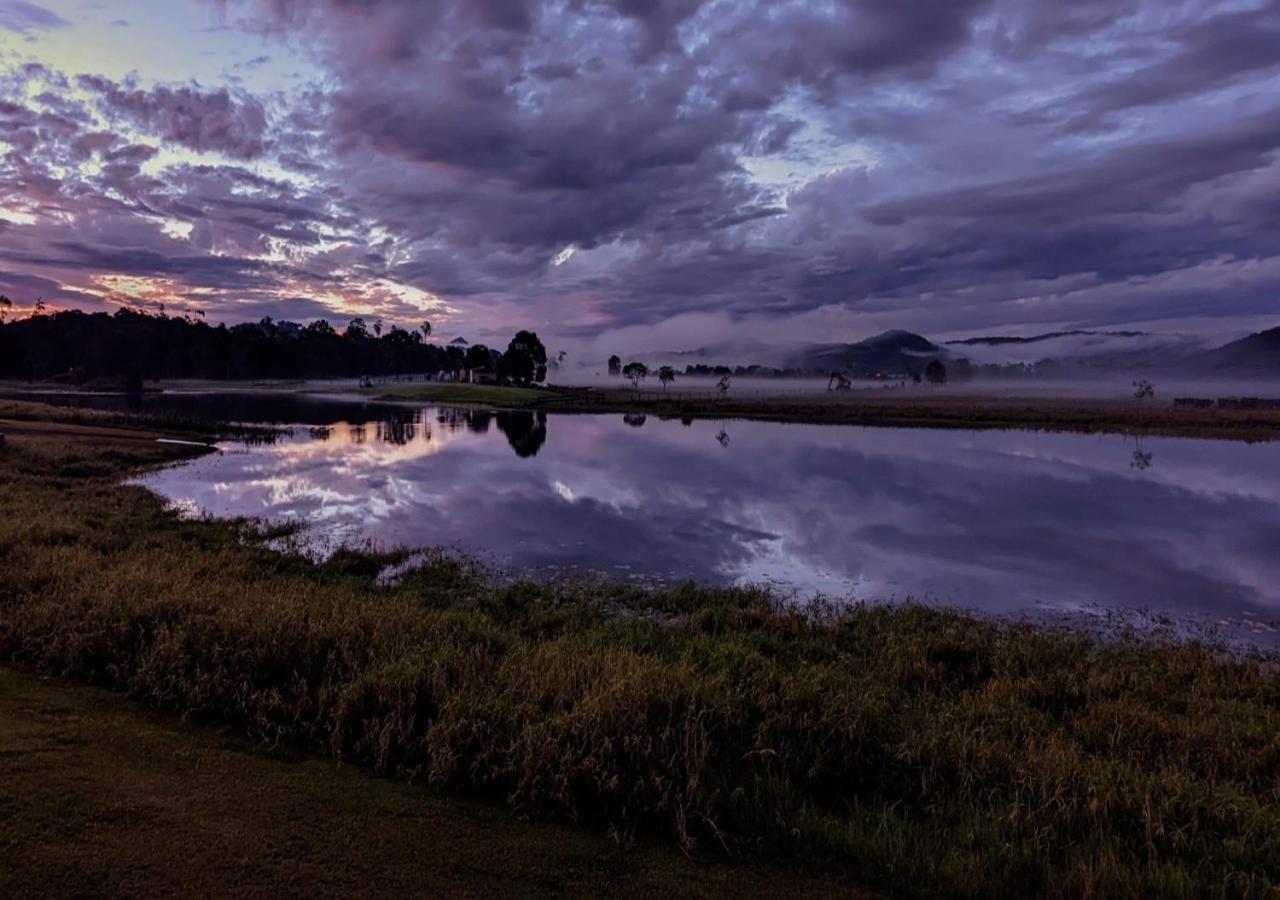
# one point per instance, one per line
(929, 752)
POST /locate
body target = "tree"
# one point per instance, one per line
(426, 330)
(478, 356)
(6, 305)
(525, 361)
(357, 329)
(615, 365)
(935, 372)
(666, 375)
(1143, 389)
(722, 386)
(635, 372)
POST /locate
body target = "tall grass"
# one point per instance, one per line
(928, 752)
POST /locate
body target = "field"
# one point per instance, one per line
(914, 751)
(901, 408)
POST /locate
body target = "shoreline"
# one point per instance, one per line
(872, 409)
(959, 408)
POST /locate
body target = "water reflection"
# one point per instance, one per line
(1002, 521)
(1140, 459)
(526, 431)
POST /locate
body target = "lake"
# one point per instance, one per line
(1000, 522)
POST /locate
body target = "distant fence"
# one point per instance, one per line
(1250, 403)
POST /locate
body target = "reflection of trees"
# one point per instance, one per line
(526, 431)
(398, 430)
(1140, 459)
(635, 420)
(356, 434)
(722, 437)
(474, 420)
(478, 420)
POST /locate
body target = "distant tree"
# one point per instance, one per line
(377, 327)
(935, 372)
(478, 356)
(1143, 389)
(723, 385)
(525, 361)
(357, 329)
(6, 306)
(635, 372)
(40, 307)
(426, 330)
(666, 375)
(615, 365)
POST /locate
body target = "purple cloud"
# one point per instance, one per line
(214, 121)
(608, 166)
(22, 17)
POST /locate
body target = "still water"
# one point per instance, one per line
(1004, 522)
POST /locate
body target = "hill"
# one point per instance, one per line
(894, 352)
(1258, 352)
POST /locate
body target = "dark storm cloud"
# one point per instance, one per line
(506, 133)
(926, 163)
(202, 120)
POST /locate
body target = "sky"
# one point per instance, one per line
(648, 174)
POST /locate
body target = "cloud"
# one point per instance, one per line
(24, 18)
(215, 121)
(758, 167)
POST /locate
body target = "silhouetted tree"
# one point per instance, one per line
(636, 372)
(97, 345)
(935, 372)
(615, 365)
(6, 307)
(1143, 389)
(525, 361)
(666, 375)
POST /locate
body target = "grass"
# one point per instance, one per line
(459, 394)
(103, 798)
(927, 752)
(892, 408)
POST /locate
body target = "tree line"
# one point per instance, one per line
(140, 346)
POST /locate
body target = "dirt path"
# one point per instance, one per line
(101, 797)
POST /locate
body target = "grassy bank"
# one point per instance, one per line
(103, 798)
(927, 408)
(925, 752)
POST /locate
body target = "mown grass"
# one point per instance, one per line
(479, 394)
(924, 751)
